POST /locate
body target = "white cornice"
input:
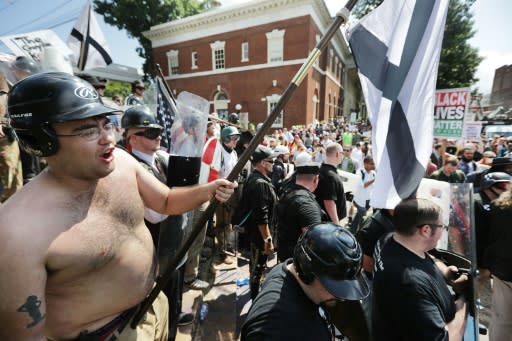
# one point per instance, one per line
(242, 16)
(236, 69)
(252, 68)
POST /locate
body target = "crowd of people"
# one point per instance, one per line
(100, 203)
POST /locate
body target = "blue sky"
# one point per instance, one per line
(492, 22)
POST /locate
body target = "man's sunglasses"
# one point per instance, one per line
(152, 133)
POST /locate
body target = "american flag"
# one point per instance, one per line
(165, 113)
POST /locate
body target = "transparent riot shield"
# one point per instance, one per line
(462, 243)
(457, 246)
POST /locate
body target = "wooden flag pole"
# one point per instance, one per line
(339, 19)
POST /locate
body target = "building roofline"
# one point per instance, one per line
(252, 13)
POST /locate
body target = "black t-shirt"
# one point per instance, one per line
(497, 255)
(330, 187)
(282, 311)
(372, 230)
(296, 210)
(260, 198)
(411, 300)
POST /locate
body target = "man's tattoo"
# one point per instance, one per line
(31, 306)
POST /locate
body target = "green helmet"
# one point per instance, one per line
(227, 132)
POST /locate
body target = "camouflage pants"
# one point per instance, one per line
(10, 168)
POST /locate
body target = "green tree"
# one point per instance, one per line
(459, 60)
(118, 88)
(138, 16)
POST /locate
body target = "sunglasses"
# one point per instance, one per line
(140, 87)
(152, 133)
(269, 160)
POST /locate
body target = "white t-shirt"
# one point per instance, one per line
(363, 194)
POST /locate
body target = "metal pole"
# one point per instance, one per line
(296, 81)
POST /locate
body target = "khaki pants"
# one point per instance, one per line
(154, 325)
(501, 320)
(10, 168)
(194, 253)
(223, 232)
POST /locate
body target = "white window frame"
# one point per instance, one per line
(221, 105)
(315, 102)
(329, 62)
(275, 46)
(245, 51)
(194, 60)
(271, 103)
(218, 50)
(173, 62)
(317, 38)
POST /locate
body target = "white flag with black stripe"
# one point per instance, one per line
(88, 43)
(396, 48)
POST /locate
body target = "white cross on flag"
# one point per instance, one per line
(396, 48)
(87, 42)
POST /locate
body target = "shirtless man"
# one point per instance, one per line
(75, 251)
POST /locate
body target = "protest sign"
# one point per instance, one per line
(450, 111)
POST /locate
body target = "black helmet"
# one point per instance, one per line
(139, 116)
(26, 64)
(332, 255)
(491, 179)
(233, 118)
(95, 81)
(137, 84)
(45, 98)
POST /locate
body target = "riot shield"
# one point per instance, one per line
(460, 249)
(457, 246)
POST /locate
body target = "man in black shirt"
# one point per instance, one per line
(330, 193)
(297, 209)
(325, 269)
(411, 300)
(260, 198)
(492, 185)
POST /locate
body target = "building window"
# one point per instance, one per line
(245, 52)
(218, 57)
(315, 102)
(329, 61)
(194, 60)
(275, 46)
(336, 69)
(317, 38)
(220, 105)
(172, 60)
(271, 104)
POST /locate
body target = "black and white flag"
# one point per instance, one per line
(396, 48)
(165, 113)
(88, 43)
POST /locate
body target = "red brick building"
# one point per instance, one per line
(247, 54)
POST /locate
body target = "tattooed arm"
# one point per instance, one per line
(22, 287)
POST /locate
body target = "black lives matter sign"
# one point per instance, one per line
(450, 111)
